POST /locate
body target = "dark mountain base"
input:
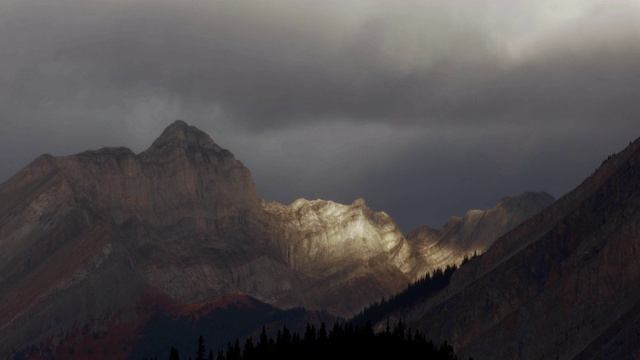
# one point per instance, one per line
(160, 323)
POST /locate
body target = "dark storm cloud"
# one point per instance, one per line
(261, 71)
(423, 108)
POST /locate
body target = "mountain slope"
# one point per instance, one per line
(563, 284)
(475, 231)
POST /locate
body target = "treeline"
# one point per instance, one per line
(352, 339)
(342, 341)
(421, 289)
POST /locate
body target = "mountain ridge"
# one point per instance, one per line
(475, 231)
(183, 218)
(562, 284)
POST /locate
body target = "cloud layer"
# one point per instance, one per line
(425, 108)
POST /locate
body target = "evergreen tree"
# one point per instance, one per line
(174, 354)
(262, 348)
(201, 349)
(220, 355)
(248, 352)
(235, 352)
(344, 341)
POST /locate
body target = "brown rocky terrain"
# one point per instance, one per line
(562, 285)
(85, 238)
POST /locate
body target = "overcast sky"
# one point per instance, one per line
(424, 108)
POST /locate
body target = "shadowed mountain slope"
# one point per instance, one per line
(475, 231)
(563, 284)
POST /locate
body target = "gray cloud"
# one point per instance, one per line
(424, 108)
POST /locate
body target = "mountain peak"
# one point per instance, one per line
(181, 133)
(359, 202)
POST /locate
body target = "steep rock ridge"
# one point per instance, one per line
(564, 282)
(184, 174)
(343, 251)
(176, 207)
(325, 233)
(476, 230)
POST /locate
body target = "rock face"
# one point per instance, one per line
(83, 238)
(346, 255)
(563, 284)
(476, 230)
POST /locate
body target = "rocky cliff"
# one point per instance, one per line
(84, 236)
(347, 255)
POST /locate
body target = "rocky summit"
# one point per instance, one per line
(90, 239)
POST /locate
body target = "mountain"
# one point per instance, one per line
(84, 237)
(563, 284)
(88, 240)
(475, 231)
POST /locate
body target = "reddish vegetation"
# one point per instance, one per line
(116, 338)
(202, 309)
(114, 342)
(111, 340)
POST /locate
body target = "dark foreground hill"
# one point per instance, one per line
(564, 284)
